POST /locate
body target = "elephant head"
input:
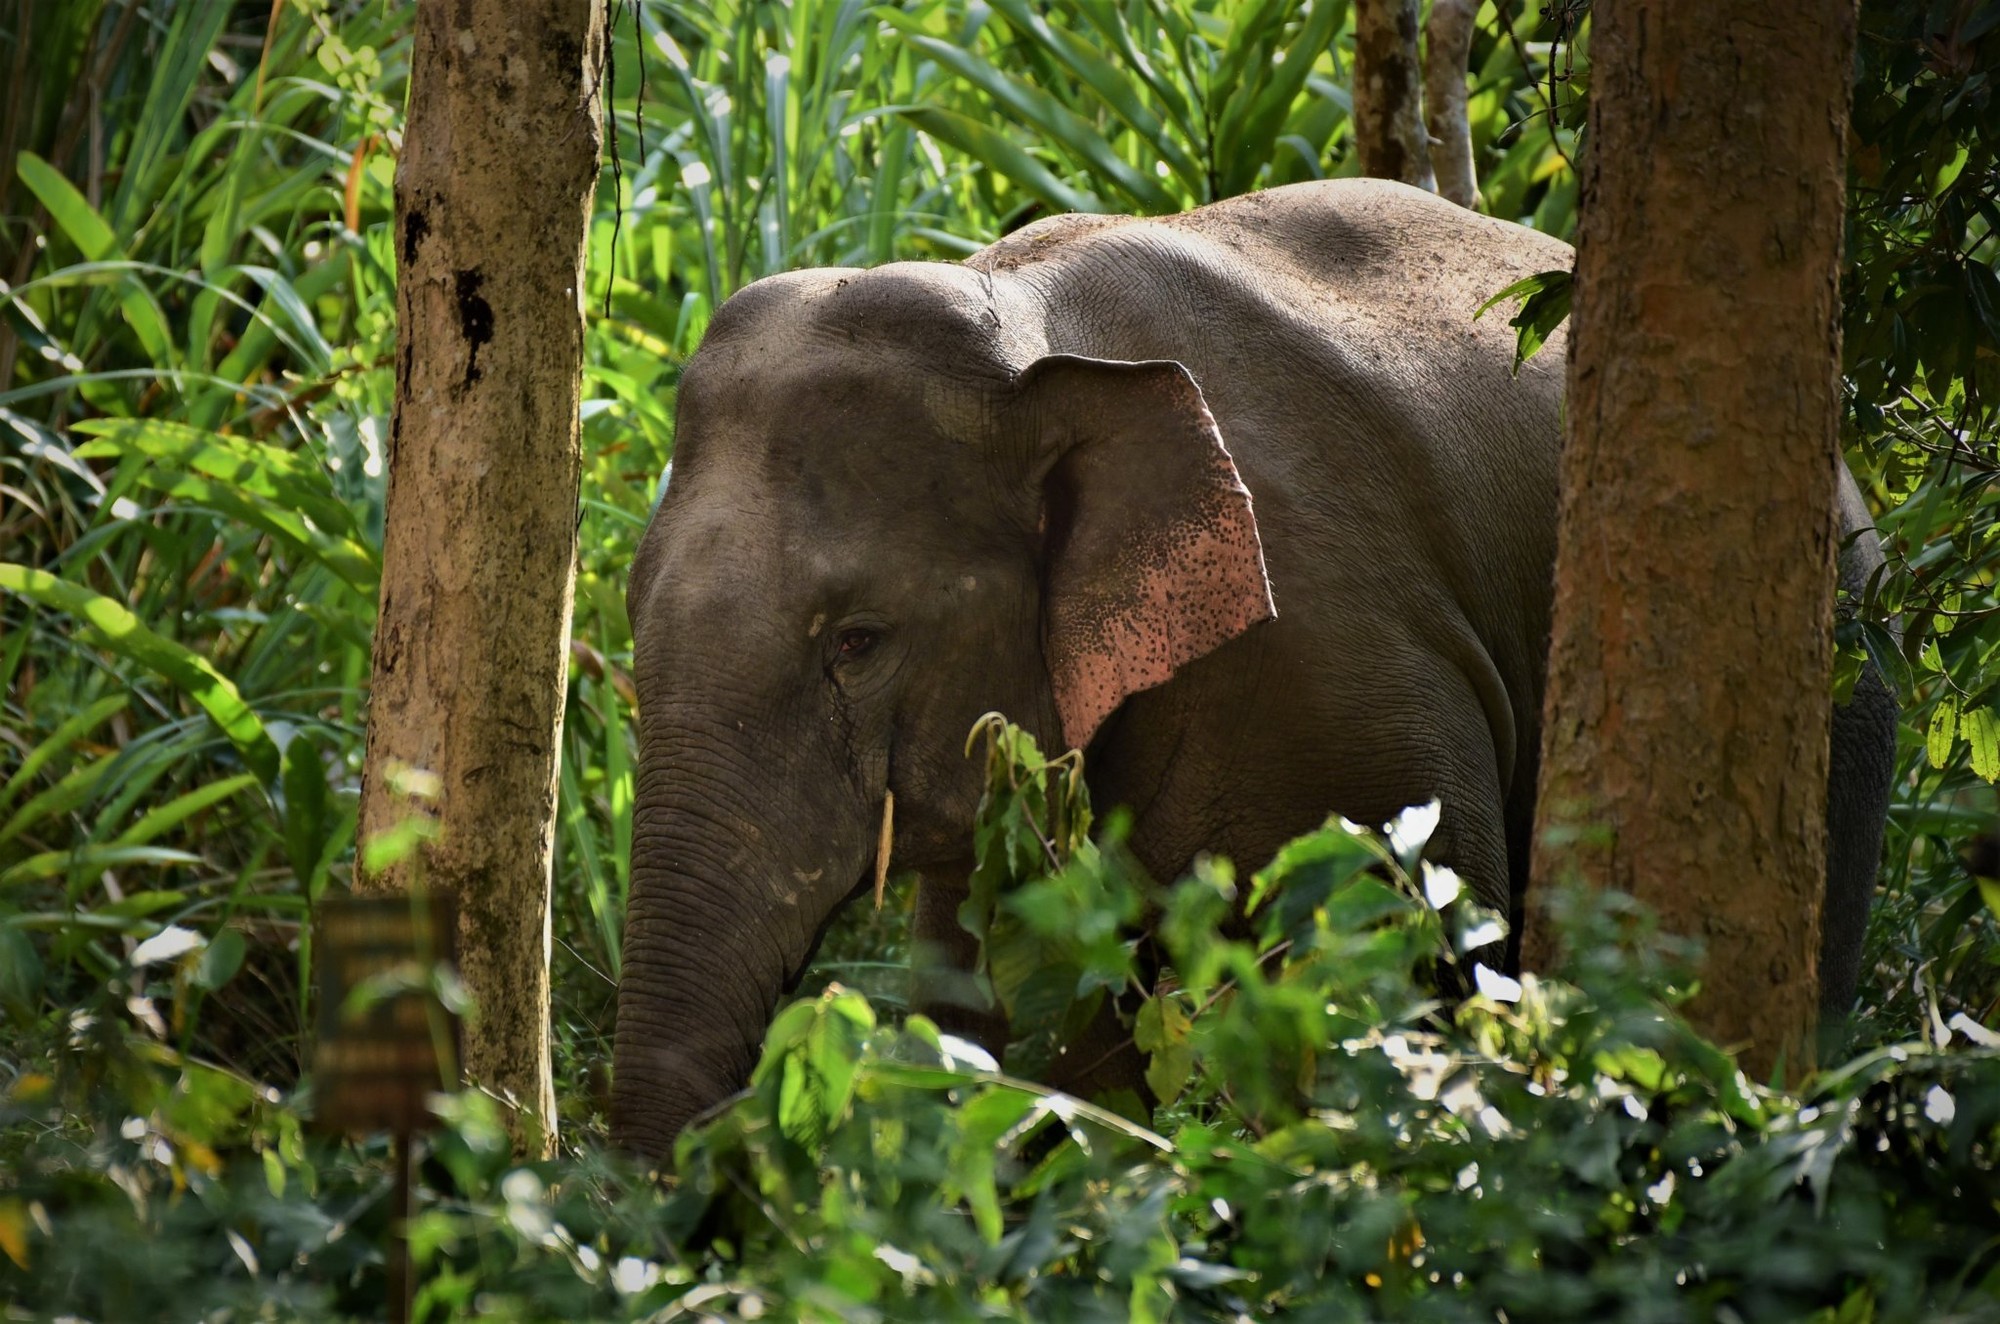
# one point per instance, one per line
(891, 509)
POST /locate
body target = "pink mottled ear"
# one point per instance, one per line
(1153, 558)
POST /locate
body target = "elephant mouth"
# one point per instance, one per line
(863, 885)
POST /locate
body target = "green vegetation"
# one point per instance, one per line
(196, 334)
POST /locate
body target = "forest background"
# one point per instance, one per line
(196, 336)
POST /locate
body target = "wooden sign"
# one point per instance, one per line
(386, 1041)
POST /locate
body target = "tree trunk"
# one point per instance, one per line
(1685, 731)
(1447, 50)
(493, 195)
(1388, 101)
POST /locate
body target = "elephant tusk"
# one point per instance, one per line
(882, 845)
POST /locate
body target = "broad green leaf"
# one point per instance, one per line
(1944, 725)
(1545, 301)
(287, 299)
(1981, 729)
(222, 959)
(96, 240)
(1111, 24)
(1162, 1031)
(306, 807)
(157, 121)
(70, 210)
(117, 629)
(1244, 65)
(982, 1123)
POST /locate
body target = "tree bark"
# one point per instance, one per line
(1447, 50)
(493, 194)
(1684, 750)
(1388, 101)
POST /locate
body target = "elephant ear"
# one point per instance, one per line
(1152, 553)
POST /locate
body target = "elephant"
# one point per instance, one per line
(1242, 502)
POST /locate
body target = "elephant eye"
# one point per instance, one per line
(852, 644)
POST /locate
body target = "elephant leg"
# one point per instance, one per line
(1861, 767)
(942, 982)
(1472, 838)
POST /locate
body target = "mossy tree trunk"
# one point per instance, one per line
(493, 194)
(1685, 732)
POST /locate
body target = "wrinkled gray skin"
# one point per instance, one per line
(907, 496)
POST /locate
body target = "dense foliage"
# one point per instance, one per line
(1334, 1143)
(195, 338)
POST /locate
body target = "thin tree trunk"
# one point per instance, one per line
(1447, 50)
(1388, 101)
(1685, 732)
(493, 194)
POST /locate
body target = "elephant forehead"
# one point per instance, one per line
(818, 396)
(932, 339)
(829, 452)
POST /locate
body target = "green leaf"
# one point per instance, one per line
(346, 558)
(1121, 92)
(96, 240)
(89, 860)
(1249, 145)
(1981, 730)
(1944, 725)
(221, 960)
(306, 801)
(1002, 154)
(395, 843)
(1052, 121)
(138, 905)
(119, 630)
(1887, 655)
(70, 210)
(1850, 659)
(1989, 892)
(73, 729)
(183, 807)
(65, 795)
(1545, 302)
(1162, 1029)
(252, 466)
(982, 1124)
(20, 974)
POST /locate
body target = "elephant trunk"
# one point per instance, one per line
(691, 1010)
(721, 921)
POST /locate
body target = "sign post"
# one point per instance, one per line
(387, 1041)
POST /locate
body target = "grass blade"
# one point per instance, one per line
(123, 633)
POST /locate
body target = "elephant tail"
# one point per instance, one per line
(1861, 770)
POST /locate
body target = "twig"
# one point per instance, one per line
(1504, 14)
